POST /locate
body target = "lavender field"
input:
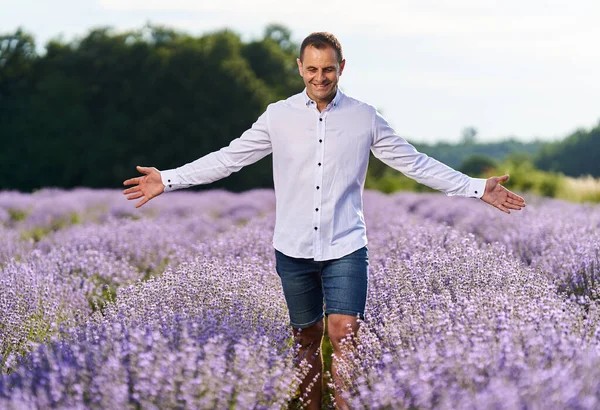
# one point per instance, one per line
(178, 305)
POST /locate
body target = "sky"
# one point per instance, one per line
(527, 69)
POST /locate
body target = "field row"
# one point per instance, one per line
(177, 304)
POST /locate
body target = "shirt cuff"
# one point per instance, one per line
(170, 180)
(476, 187)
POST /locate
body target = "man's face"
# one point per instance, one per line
(321, 72)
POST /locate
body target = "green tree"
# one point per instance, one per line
(273, 60)
(576, 155)
(17, 62)
(89, 110)
(469, 135)
(283, 37)
(525, 177)
(17, 54)
(477, 164)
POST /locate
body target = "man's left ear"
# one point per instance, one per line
(342, 65)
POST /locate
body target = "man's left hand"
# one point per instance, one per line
(500, 197)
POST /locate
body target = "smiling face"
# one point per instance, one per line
(321, 71)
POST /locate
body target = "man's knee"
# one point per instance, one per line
(340, 327)
(311, 334)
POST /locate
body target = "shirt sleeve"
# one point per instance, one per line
(253, 145)
(399, 154)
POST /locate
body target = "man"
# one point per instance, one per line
(320, 140)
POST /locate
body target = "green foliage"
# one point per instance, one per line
(469, 135)
(585, 189)
(39, 331)
(477, 164)
(576, 155)
(593, 197)
(87, 112)
(383, 178)
(524, 177)
(106, 293)
(17, 55)
(455, 154)
(273, 60)
(393, 182)
(17, 215)
(153, 272)
(38, 232)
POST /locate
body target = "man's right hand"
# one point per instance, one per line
(146, 187)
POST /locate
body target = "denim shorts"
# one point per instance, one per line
(341, 284)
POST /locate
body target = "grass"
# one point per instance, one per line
(39, 232)
(524, 178)
(584, 189)
(17, 215)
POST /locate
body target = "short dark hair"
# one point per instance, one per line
(321, 40)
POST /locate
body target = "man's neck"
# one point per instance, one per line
(322, 104)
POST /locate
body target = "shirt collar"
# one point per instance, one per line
(336, 100)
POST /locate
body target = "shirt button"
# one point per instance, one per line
(170, 181)
(169, 186)
(317, 209)
(320, 165)
(320, 140)
(475, 191)
(316, 228)
(320, 119)
(317, 187)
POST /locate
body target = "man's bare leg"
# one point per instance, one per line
(337, 329)
(310, 341)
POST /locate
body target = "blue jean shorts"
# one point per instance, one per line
(341, 284)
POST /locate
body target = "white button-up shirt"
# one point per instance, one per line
(319, 167)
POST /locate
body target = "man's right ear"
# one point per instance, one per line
(342, 65)
(300, 68)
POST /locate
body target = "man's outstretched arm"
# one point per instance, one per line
(253, 145)
(396, 152)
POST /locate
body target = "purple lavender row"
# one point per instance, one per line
(175, 366)
(454, 323)
(28, 217)
(75, 268)
(211, 333)
(560, 238)
(451, 322)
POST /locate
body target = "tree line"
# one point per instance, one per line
(575, 156)
(87, 111)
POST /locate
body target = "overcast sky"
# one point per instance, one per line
(528, 68)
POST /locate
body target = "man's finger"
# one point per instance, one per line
(512, 206)
(512, 195)
(135, 195)
(513, 201)
(131, 190)
(502, 208)
(142, 202)
(503, 178)
(144, 170)
(132, 181)
(516, 201)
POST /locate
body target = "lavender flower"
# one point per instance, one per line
(178, 305)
